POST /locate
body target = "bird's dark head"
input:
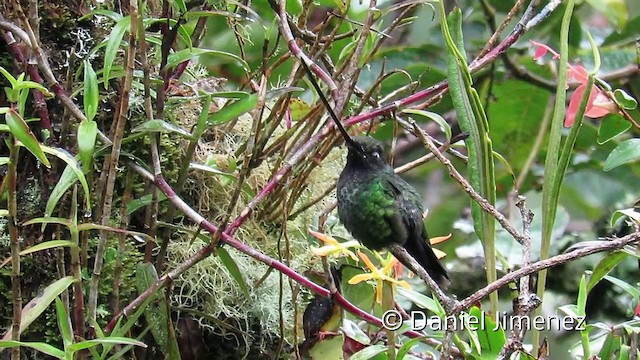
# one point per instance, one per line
(365, 151)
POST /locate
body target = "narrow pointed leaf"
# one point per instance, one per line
(87, 133)
(186, 54)
(38, 304)
(158, 125)
(42, 347)
(75, 167)
(91, 94)
(21, 131)
(113, 44)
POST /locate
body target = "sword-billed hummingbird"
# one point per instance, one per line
(376, 205)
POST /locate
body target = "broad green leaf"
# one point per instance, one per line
(233, 110)
(4, 160)
(210, 169)
(75, 167)
(604, 267)
(186, 54)
(626, 152)
(40, 302)
(91, 94)
(611, 126)
(157, 312)
(353, 331)
(625, 100)
(491, 341)
(231, 265)
(87, 133)
(21, 131)
(42, 347)
(158, 125)
(49, 220)
(113, 44)
(610, 346)
(433, 116)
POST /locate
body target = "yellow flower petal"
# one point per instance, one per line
(368, 262)
(356, 279)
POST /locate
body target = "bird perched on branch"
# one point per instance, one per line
(376, 205)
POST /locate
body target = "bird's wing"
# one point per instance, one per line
(409, 210)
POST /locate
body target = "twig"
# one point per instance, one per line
(482, 202)
(112, 161)
(612, 244)
(526, 302)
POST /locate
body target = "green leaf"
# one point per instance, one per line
(611, 345)
(582, 297)
(113, 44)
(232, 111)
(21, 131)
(619, 214)
(626, 152)
(40, 302)
(433, 116)
(87, 133)
(42, 347)
(421, 300)
(91, 94)
(625, 100)
(630, 289)
(64, 324)
(491, 341)
(157, 312)
(231, 265)
(75, 167)
(186, 54)
(65, 181)
(472, 119)
(604, 267)
(143, 201)
(158, 125)
(42, 246)
(115, 340)
(611, 126)
(406, 347)
(4, 160)
(180, 5)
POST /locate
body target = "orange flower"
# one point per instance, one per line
(334, 247)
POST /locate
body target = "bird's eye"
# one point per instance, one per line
(376, 155)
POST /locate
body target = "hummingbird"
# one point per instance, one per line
(377, 206)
